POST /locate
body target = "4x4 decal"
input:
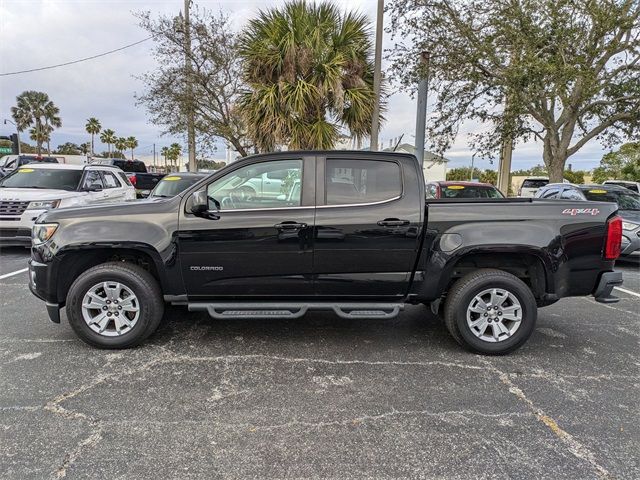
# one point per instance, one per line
(580, 211)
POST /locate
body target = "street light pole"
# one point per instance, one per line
(191, 134)
(377, 78)
(421, 112)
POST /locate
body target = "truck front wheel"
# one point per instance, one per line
(114, 305)
(490, 311)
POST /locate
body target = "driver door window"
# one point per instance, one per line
(261, 185)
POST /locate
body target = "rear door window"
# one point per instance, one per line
(92, 179)
(352, 181)
(110, 180)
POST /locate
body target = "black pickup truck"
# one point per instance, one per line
(136, 170)
(349, 232)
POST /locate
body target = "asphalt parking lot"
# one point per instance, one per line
(320, 397)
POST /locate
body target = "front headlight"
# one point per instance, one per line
(41, 232)
(43, 205)
(629, 226)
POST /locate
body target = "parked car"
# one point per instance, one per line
(9, 163)
(530, 186)
(635, 186)
(37, 187)
(628, 206)
(136, 171)
(173, 184)
(462, 190)
(490, 262)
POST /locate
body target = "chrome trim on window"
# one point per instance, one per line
(379, 202)
(265, 208)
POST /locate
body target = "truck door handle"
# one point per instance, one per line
(289, 225)
(393, 222)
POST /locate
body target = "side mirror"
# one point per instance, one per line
(145, 193)
(94, 187)
(198, 204)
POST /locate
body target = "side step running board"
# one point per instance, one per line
(296, 310)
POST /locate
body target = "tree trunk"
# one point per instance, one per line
(554, 156)
(92, 151)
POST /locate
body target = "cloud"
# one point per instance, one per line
(36, 33)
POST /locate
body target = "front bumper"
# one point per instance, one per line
(15, 231)
(608, 280)
(42, 286)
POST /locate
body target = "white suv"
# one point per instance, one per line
(33, 188)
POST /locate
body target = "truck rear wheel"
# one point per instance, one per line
(491, 312)
(114, 305)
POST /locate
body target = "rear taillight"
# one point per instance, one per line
(614, 238)
(133, 180)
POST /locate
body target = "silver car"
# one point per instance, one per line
(627, 200)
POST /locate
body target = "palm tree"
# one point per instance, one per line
(164, 151)
(132, 143)
(121, 144)
(36, 109)
(51, 120)
(108, 136)
(41, 136)
(309, 71)
(93, 127)
(174, 153)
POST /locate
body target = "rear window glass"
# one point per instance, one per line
(625, 201)
(171, 185)
(361, 181)
(469, 191)
(534, 183)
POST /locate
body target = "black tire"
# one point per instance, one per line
(463, 292)
(141, 283)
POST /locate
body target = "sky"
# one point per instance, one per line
(37, 33)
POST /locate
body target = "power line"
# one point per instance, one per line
(77, 61)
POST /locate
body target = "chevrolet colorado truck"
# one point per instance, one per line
(349, 232)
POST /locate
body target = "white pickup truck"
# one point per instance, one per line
(34, 188)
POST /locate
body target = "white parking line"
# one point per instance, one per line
(630, 292)
(7, 275)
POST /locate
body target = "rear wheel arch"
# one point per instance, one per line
(529, 266)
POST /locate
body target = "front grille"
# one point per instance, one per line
(13, 208)
(14, 232)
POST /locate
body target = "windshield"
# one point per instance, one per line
(467, 191)
(625, 200)
(42, 178)
(172, 185)
(534, 183)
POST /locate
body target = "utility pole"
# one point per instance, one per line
(191, 134)
(154, 155)
(421, 113)
(377, 78)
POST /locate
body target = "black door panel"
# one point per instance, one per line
(258, 246)
(246, 254)
(366, 249)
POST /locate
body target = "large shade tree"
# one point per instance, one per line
(36, 110)
(309, 72)
(561, 71)
(215, 78)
